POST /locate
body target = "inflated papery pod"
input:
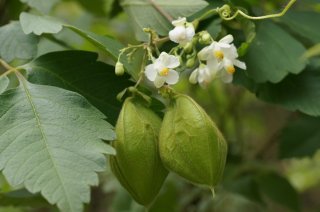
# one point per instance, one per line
(137, 163)
(191, 145)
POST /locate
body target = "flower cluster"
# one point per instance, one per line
(217, 60)
(221, 59)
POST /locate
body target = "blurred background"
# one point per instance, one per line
(273, 162)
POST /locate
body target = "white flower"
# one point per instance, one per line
(201, 75)
(183, 31)
(161, 71)
(222, 57)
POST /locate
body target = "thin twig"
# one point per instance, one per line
(239, 12)
(160, 10)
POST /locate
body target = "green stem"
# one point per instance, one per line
(213, 193)
(208, 14)
(239, 12)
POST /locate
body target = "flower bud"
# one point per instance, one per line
(205, 38)
(193, 79)
(119, 69)
(188, 47)
(190, 62)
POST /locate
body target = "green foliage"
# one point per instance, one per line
(300, 138)
(55, 110)
(46, 139)
(39, 24)
(15, 44)
(150, 16)
(279, 54)
(80, 71)
(295, 92)
(304, 23)
(42, 6)
(278, 189)
(4, 82)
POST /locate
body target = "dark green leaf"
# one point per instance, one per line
(112, 48)
(50, 141)
(304, 23)
(109, 45)
(296, 92)
(278, 189)
(44, 24)
(246, 186)
(22, 198)
(300, 138)
(14, 44)
(79, 71)
(144, 14)
(98, 7)
(273, 54)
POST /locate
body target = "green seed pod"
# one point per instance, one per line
(137, 164)
(190, 144)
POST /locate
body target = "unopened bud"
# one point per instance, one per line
(190, 62)
(193, 77)
(205, 38)
(119, 70)
(188, 47)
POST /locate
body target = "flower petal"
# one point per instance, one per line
(228, 39)
(190, 33)
(179, 22)
(178, 34)
(240, 64)
(194, 76)
(172, 78)
(169, 61)
(231, 52)
(206, 52)
(214, 66)
(150, 72)
(226, 77)
(159, 81)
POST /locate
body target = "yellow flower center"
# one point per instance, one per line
(164, 72)
(231, 69)
(218, 54)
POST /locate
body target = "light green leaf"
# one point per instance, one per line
(273, 54)
(304, 23)
(39, 24)
(14, 44)
(41, 5)
(4, 82)
(144, 14)
(300, 138)
(80, 71)
(50, 141)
